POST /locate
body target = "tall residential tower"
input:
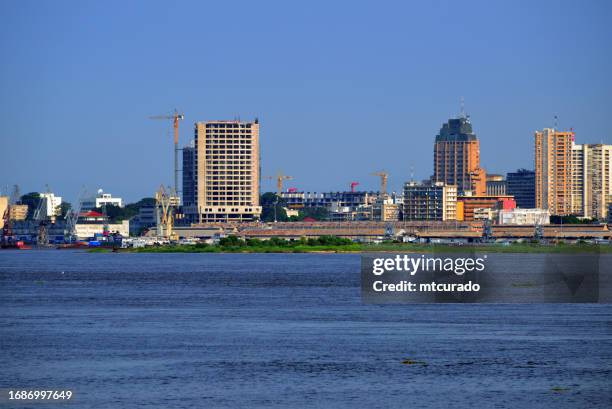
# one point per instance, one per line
(227, 171)
(553, 171)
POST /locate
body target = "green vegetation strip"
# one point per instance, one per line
(332, 244)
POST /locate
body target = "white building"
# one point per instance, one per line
(52, 204)
(85, 231)
(100, 200)
(523, 216)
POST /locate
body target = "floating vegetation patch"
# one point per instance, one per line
(408, 361)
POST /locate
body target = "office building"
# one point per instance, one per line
(521, 185)
(227, 171)
(496, 185)
(457, 157)
(434, 201)
(553, 171)
(189, 176)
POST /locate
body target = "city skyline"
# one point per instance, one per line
(356, 100)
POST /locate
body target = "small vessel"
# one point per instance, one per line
(15, 245)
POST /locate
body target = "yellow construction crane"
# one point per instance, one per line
(383, 181)
(175, 117)
(279, 181)
(164, 214)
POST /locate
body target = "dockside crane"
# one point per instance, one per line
(353, 185)
(164, 214)
(72, 217)
(383, 181)
(41, 217)
(175, 117)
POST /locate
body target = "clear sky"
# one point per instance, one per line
(342, 89)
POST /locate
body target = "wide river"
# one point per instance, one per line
(280, 331)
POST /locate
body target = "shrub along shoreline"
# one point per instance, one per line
(333, 244)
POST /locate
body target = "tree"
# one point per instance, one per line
(571, 219)
(64, 208)
(269, 201)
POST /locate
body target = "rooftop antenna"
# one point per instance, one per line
(556, 122)
(462, 112)
(412, 173)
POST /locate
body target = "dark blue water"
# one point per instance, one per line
(285, 331)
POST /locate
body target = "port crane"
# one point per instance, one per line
(41, 217)
(280, 178)
(164, 214)
(383, 181)
(353, 185)
(72, 217)
(175, 117)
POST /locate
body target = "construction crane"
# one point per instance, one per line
(279, 181)
(353, 185)
(164, 214)
(383, 181)
(175, 117)
(72, 217)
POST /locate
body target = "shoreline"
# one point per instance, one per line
(521, 248)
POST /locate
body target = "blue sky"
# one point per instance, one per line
(341, 89)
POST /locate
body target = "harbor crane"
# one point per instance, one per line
(72, 217)
(164, 214)
(383, 181)
(353, 185)
(41, 216)
(279, 181)
(175, 117)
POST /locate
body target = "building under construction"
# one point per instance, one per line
(226, 172)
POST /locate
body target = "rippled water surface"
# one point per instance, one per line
(286, 331)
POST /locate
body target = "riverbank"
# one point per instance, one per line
(297, 247)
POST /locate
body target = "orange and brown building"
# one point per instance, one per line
(553, 171)
(457, 157)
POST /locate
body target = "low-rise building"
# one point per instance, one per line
(92, 223)
(101, 199)
(18, 212)
(470, 204)
(145, 219)
(430, 201)
(52, 204)
(386, 210)
(523, 216)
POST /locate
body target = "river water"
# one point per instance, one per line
(280, 331)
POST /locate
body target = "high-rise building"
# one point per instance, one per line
(435, 201)
(227, 171)
(553, 171)
(591, 180)
(189, 176)
(521, 185)
(457, 157)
